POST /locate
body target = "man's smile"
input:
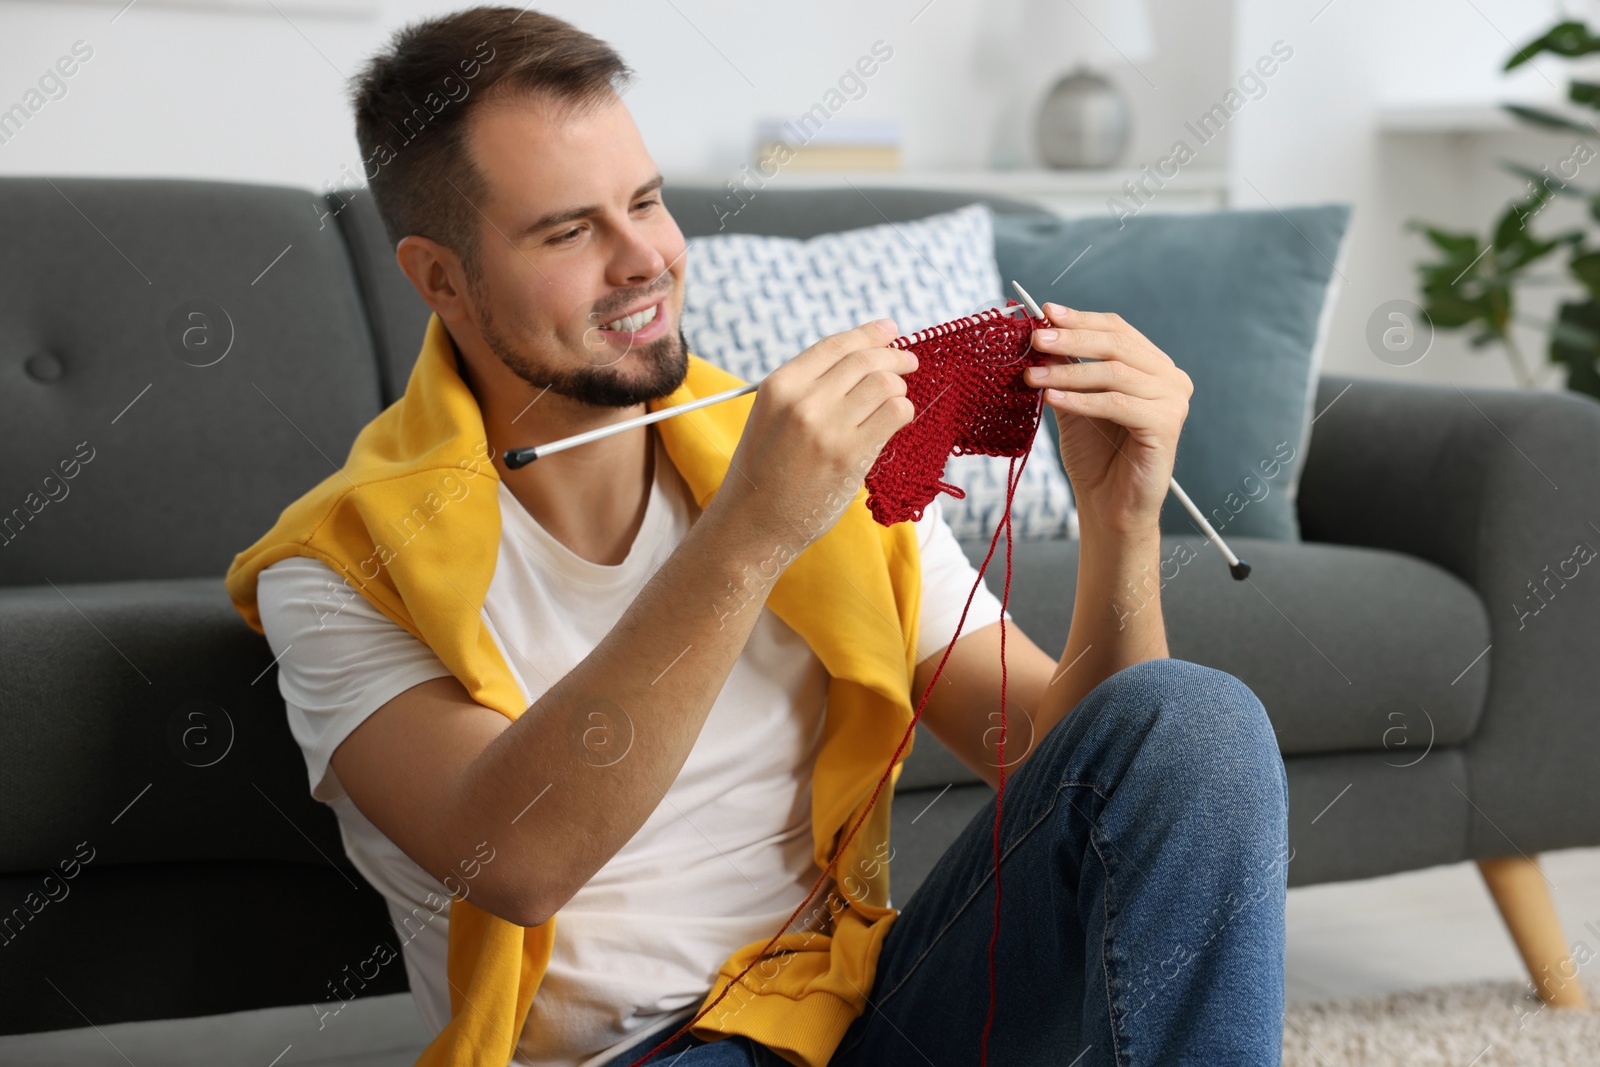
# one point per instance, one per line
(639, 327)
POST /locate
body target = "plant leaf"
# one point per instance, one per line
(1586, 268)
(1449, 312)
(1514, 243)
(1462, 247)
(1584, 93)
(1576, 336)
(1511, 228)
(1580, 356)
(1543, 180)
(1563, 39)
(1547, 119)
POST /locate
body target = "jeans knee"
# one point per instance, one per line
(1208, 731)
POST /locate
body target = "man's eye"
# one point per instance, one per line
(646, 203)
(566, 238)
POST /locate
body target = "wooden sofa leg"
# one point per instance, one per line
(1520, 892)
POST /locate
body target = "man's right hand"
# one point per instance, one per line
(817, 426)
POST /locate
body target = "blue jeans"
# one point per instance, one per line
(1145, 861)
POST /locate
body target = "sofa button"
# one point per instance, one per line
(44, 367)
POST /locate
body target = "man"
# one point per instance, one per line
(593, 784)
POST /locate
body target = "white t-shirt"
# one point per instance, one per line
(721, 862)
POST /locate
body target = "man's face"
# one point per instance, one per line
(581, 267)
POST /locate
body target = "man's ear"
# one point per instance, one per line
(436, 274)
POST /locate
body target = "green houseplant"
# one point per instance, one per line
(1474, 280)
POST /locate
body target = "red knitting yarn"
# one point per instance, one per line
(969, 399)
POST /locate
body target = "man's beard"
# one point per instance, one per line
(666, 361)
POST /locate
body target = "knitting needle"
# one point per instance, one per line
(521, 457)
(1236, 566)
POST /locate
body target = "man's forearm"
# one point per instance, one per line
(1116, 615)
(582, 769)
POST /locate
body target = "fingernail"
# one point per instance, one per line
(886, 325)
(1047, 335)
(1036, 374)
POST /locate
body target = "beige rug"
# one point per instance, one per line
(1484, 1024)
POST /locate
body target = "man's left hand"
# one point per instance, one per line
(1119, 417)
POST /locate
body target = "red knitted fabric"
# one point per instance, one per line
(969, 398)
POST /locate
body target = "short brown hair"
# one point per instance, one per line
(412, 124)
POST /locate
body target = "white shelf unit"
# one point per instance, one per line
(1065, 192)
(1481, 116)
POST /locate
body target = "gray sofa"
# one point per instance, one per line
(160, 855)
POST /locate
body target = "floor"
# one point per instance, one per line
(1406, 931)
(1432, 927)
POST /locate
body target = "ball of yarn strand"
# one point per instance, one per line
(969, 398)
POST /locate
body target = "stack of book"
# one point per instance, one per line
(819, 141)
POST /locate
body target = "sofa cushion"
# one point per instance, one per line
(151, 941)
(1349, 649)
(1240, 300)
(182, 359)
(922, 825)
(1351, 815)
(145, 718)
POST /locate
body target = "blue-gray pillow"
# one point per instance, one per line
(1239, 299)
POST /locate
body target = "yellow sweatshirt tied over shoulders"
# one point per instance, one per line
(396, 524)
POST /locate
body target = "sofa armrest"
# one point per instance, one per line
(1502, 489)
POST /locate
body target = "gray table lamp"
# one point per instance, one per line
(1084, 119)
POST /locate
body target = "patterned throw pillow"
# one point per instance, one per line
(754, 302)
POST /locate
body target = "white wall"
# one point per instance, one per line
(174, 91)
(1317, 138)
